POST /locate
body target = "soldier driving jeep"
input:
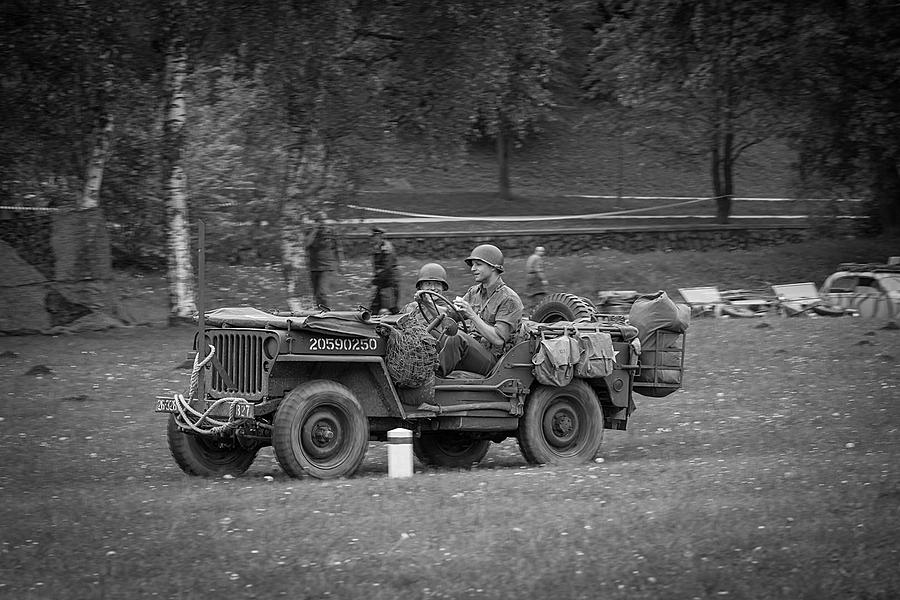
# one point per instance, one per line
(494, 310)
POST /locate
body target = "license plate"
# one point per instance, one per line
(167, 405)
(243, 410)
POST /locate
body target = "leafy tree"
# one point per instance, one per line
(67, 69)
(463, 70)
(279, 109)
(844, 76)
(697, 75)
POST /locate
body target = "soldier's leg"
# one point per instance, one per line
(462, 351)
(314, 277)
(320, 287)
(375, 304)
(395, 299)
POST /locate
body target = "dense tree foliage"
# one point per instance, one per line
(698, 76)
(71, 71)
(844, 74)
(283, 99)
(465, 69)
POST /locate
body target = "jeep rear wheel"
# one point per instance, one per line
(563, 307)
(561, 425)
(207, 456)
(320, 431)
(450, 449)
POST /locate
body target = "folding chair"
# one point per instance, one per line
(708, 300)
(799, 298)
(796, 298)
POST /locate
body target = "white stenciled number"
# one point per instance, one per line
(342, 344)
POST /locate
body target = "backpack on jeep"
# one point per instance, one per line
(555, 360)
(598, 358)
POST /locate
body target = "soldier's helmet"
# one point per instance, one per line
(489, 254)
(433, 272)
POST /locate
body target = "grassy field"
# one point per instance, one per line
(585, 275)
(772, 474)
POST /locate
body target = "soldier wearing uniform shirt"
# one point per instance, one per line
(386, 279)
(324, 254)
(492, 308)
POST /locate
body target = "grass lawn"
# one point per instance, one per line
(772, 474)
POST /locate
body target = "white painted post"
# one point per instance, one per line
(400, 454)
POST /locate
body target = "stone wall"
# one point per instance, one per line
(583, 240)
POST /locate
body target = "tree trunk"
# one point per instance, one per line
(182, 303)
(306, 170)
(503, 163)
(90, 196)
(294, 264)
(723, 202)
(886, 193)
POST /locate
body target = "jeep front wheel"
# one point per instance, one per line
(561, 425)
(321, 431)
(207, 456)
(450, 449)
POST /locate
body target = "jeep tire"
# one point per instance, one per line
(320, 431)
(561, 425)
(207, 455)
(449, 449)
(563, 307)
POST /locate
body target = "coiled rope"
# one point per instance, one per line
(185, 408)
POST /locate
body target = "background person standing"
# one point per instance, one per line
(536, 286)
(386, 278)
(324, 254)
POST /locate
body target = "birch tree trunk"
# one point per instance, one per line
(294, 264)
(182, 303)
(90, 195)
(307, 171)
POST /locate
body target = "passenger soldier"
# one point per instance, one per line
(493, 310)
(385, 279)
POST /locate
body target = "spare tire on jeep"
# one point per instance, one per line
(563, 307)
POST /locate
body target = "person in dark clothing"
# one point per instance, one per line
(386, 277)
(323, 252)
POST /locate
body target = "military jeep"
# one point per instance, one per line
(316, 387)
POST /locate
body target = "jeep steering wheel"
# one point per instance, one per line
(430, 312)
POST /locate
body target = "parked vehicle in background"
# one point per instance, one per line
(871, 290)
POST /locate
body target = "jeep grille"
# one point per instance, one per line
(246, 367)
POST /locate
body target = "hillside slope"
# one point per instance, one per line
(575, 154)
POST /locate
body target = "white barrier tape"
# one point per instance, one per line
(33, 208)
(737, 198)
(525, 218)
